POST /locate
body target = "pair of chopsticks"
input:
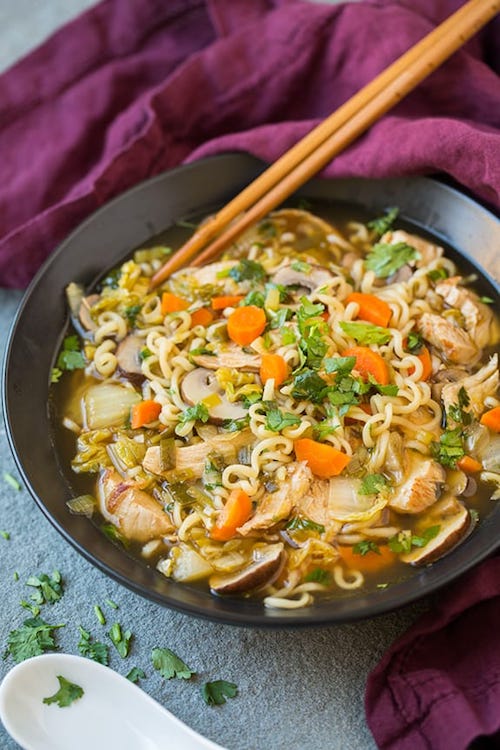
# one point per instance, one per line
(331, 136)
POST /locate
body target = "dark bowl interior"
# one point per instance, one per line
(102, 242)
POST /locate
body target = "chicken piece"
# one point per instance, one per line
(276, 506)
(134, 513)
(231, 356)
(316, 505)
(479, 320)
(193, 457)
(456, 344)
(427, 251)
(306, 282)
(478, 386)
(421, 487)
(208, 275)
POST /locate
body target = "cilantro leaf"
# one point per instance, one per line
(70, 358)
(405, 540)
(366, 333)
(135, 675)
(67, 693)
(382, 224)
(309, 386)
(120, 640)
(450, 448)
(301, 266)
(318, 575)
(457, 412)
(192, 413)
(169, 665)
(372, 484)
(131, 313)
(341, 365)
(301, 523)
(276, 420)
(415, 343)
(215, 693)
(385, 259)
(437, 274)
(247, 270)
(55, 375)
(33, 638)
(92, 649)
(387, 390)
(49, 590)
(12, 481)
(366, 546)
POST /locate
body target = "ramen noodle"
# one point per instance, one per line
(313, 413)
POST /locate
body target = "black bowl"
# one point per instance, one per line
(102, 242)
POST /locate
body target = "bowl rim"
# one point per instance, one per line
(232, 611)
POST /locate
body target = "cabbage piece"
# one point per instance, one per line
(108, 405)
(91, 454)
(188, 565)
(345, 503)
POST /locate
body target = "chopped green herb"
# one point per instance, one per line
(340, 365)
(113, 534)
(487, 300)
(457, 412)
(366, 546)
(425, 536)
(474, 515)
(49, 590)
(169, 665)
(33, 638)
(387, 390)
(135, 675)
(437, 274)
(145, 353)
(33, 608)
(92, 649)
(215, 693)
(280, 317)
(5, 535)
(318, 575)
(309, 386)
(372, 484)
(366, 333)
(55, 375)
(267, 228)
(99, 614)
(120, 640)
(70, 358)
(405, 540)
(300, 523)
(301, 266)
(198, 412)
(276, 420)
(15, 575)
(450, 448)
(382, 585)
(131, 313)
(247, 270)
(255, 298)
(287, 336)
(12, 481)
(112, 604)
(68, 693)
(235, 425)
(415, 343)
(385, 259)
(382, 224)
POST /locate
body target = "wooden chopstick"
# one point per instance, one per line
(332, 135)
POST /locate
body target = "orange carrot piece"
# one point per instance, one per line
(324, 460)
(491, 419)
(369, 362)
(235, 512)
(469, 465)
(273, 366)
(143, 413)
(202, 317)
(219, 303)
(172, 303)
(425, 358)
(245, 324)
(369, 563)
(371, 308)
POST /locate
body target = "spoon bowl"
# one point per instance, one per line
(113, 712)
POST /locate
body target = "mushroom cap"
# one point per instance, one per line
(200, 385)
(266, 566)
(455, 523)
(127, 356)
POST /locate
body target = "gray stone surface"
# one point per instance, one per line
(297, 689)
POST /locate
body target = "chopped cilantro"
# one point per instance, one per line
(287, 336)
(92, 649)
(99, 614)
(215, 693)
(300, 523)
(267, 229)
(198, 412)
(403, 541)
(49, 590)
(55, 375)
(255, 298)
(457, 412)
(276, 420)
(33, 638)
(145, 353)
(487, 300)
(415, 343)
(437, 274)
(5, 535)
(120, 640)
(301, 266)
(70, 357)
(309, 386)
(11, 480)
(340, 365)
(135, 675)
(235, 425)
(68, 693)
(382, 224)
(280, 317)
(366, 333)
(366, 546)
(450, 448)
(318, 575)
(169, 665)
(372, 484)
(387, 390)
(247, 270)
(131, 313)
(385, 259)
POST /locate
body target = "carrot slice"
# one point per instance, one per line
(491, 419)
(369, 563)
(371, 308)
(245, 324)
(273, 366)
(235, 512)
(143, 413)
(324, 460)
(219, 303)
(172, 303)
(425, 358)
(369, 362)
(202, 317)
(469, 465)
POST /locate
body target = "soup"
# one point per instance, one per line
(313, 414)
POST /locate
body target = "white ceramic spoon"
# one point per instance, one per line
(112, 713)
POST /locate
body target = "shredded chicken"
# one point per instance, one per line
(421, 487)
(427, 251)
(478, 318)
(193, 457)
(315, 504)
(276, 506)
(478, 387)
(135, 514)
(452, 341)
(231, 356)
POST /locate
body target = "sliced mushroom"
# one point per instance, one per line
(454, 521)
(232, 357)
(127, 355)
(79, 306)
(266, 566)
(316, 277)
(201, 385)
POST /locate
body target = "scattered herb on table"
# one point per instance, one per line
(33, 638)
(216, 693)
(94, 650)
(5, 535)
(49, 589)
(169, 665)
(12, 481)
(135, 675)
(68, 693)
(120, 640)
(99, 614)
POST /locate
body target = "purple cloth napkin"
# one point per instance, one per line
(134, 87)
